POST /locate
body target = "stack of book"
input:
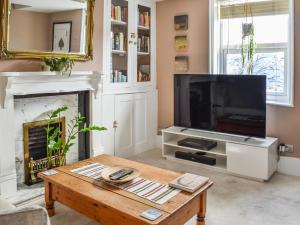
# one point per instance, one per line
(189, 182)
(119, 41)
(119, 13)
(143, 44)
(144, 19)
(119, 76)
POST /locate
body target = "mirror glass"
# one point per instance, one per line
(47, 26)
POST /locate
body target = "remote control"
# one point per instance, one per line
(120, 173)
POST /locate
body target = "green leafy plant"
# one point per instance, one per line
(63, 64)
(56, 145)
(248, 43)
(248, 47)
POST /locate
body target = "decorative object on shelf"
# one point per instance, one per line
(181, 22)
(119, 13)
(56, 146)
(60, 65)
(181, 43)
(181, 63)
(61, 37)
(144, 73)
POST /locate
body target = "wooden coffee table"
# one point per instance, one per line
(112, 206)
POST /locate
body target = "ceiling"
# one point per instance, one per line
(49, 6)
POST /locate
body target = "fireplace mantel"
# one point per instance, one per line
(38, 83)
(27, 83)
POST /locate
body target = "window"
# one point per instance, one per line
(272, 26)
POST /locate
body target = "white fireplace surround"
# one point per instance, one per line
(30, 83)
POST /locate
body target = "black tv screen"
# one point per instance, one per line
(234, 104)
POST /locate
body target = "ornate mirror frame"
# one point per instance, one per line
(4, 38)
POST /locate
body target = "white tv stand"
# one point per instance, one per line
(253, 158)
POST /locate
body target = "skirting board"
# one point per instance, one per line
(289, 166)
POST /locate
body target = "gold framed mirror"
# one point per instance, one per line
(35, 29)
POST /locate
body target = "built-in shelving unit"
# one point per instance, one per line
(254, 157)
(128, 87)
(129, 58)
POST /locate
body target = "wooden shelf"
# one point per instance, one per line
(140, 27)
(143, 53)
(220, 161)
(118, 52)
(219, 150)
(118, 22)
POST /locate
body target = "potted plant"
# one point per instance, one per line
(57, 148)
(248, 43)
(61, 65)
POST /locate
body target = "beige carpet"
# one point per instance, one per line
(231, 201)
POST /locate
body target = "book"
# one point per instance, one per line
(119, 13)
(189, 182)
(151, 214)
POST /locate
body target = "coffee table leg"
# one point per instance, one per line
(48, 199)
(202, 210)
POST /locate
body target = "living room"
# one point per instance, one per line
(149, 112)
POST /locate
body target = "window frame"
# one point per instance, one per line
(217, 62)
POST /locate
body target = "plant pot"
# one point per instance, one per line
(248, 29)
(44, 67)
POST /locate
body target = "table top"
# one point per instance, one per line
(119, 199)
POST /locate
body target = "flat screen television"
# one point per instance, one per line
(233, 104)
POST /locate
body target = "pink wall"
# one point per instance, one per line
(95, 64)
(24, 26)
(282, 122)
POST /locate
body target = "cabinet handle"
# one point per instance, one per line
(115, 124)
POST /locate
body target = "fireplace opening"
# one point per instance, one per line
(35, 147)
(32, 110)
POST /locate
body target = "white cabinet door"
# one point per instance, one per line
(248, 161)
(141, 122)
(108, 118)
(124, 118)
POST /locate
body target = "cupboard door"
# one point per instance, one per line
(141, 122)
(248, 161)
(144, 43)
(124, 125)
(108, 118)
(119, 41)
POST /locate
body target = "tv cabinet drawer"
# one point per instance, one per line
(247, 160)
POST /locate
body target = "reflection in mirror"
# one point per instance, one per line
(47, 26)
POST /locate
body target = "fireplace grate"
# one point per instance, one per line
(35, 147)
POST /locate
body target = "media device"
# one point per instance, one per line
(234, 104)
(196, 157)
(197, 143)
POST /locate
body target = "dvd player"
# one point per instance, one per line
(200, 144)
